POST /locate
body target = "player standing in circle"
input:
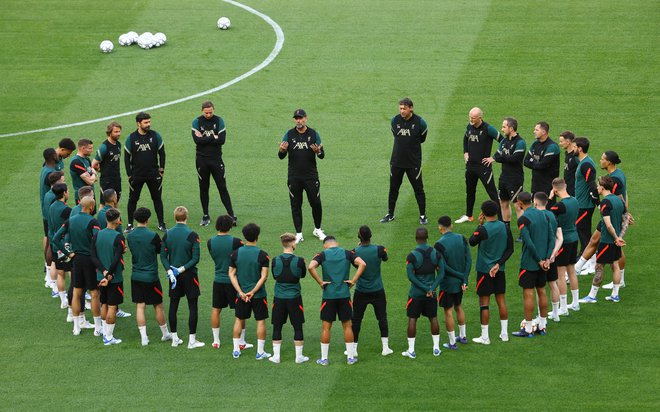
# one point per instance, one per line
(510, 153)
(571, 160)
(541, 203)
(209, 134)
(107, 159)
(477, 145)
(80, 167)
(586, 193)
(303, 145)
(543, 159)
(64, 149)
(409, 131)
(145, 163)
(58, 213)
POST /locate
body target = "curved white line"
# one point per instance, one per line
(273, 54)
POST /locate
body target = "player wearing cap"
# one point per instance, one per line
(543, 159)
(510, 153)
(108, 158)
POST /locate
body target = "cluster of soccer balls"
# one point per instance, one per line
(145, 40)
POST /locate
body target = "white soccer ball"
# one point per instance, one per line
(106, 46)
(223, 23)
(125, 40)
(132, 36)
(146, 40)
(159, 39)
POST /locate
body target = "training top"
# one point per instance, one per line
(144, 155)
(107, 250)
(48, 200)
(371, 279)
(302, 159)
(213, 137)
(552, 220)
(109, 156)
(567, 210)
(478, 141)
(103, 222)
(611, 206)
(537, 236)
(58, 213)
(619, 178)
(248, 261)
(495, 245)
(145, 246)
(336, 266)
(422, 265)
(180, 248)
(80, 229)
(220, 248)
(543, 159)
(511, 153)
(44, 187)
(571, 161)
(458, 261)
(78, 166)
(408, 138)
(586, 191)
(288, 269)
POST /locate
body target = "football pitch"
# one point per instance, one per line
(590, 67)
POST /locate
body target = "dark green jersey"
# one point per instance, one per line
(611, 206)
(248, 261)
(103, 223)
(567, 210)
(220, 248)
(180, 248)
(78, 166)
(145, 247)
(44, 187)
(80, 229)
(422, 266)
(58, 213)
(371, 279)
(48, 200)
(586, 191)
(619, 178)
(552, 220)
(336, 265)
(537, 236)
(107, 250)
(288, 269)
(458, 261)
(495, 245)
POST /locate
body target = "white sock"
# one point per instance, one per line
(505, 326)
(411, 345)
(82, 317)
(350, 348)
(543, 322)
(163, 329)
(579, 265)
(575, 294)
(175, 336)
(461, 331)
(47, 277)
(436, 341)
(237, 344)
(555, 308)
(622, 281)
(563, 302)
(386, 342)
(192, 338)
(260, 345)
(103, 326)
(299, 351)
(538, 310)
(242, 338)
(109, 330)
(324, 350)
(452, 337)
(63, 297)
(484, 332)
(594, 291)
(216, 335)
(592, 260)
(76, 323)
(528, 326)
(53, 286)
(143, 332)
(276, 350)
(355, 352)
(98, 323)
(615, 289)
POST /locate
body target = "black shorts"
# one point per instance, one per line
(567, 255)
(45, 227)
(509, 189)
(551, 275)
(449, 300)
(487, 286)
(421, 306)
(61, 265)
(376, 299)
(608, 253)
(331, 309)
(291, 308)
(85, 273)
(187, 285)
(150, 293)
(530, 279)
(259, 306)
(224, 295)
(113, 294)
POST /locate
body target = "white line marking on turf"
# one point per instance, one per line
(273, 54)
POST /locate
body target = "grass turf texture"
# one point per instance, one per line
(585, 67)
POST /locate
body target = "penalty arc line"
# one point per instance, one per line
(273, 54)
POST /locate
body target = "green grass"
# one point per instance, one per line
(589, 67)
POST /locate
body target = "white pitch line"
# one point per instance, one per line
(273, 54)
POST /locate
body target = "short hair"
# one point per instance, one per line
(108, 194)
(53, 177)
(180, 214)
(67, 144)
(112, 215)
(87, 202)
(421, 233)
(489, 208)
(606, 182)
(110, 126)
(207, 104)
(224, 223)
(287, 239)
(59, 189)
(544, 125)
(406, 102)
(612, 157)
(582, 143)
(559, 183)
(364, 233)
(251, 232)
(142, 116)
(84, 142)
(512, 123)
(85, 191)
(541, 197)
(568, 135)
(50, 155)
(329, 239)
(142, 215)
(525, 198)
(444, 221)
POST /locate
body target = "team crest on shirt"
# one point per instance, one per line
(474, 137)
(403, 132)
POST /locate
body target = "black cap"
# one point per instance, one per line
(299, 113)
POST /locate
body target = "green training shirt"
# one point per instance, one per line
(371, 279)
(180, 247)
(422, 266)
(145, 246)
(336, 266)
(248, 261)
(220, 248)
(495, 245)
(458, 261)
(288, 269)
(107, 250)
(567, 210)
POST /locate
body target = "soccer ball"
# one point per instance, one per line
(223, 23)
(106, 46)
(132, 37)
(159, 39)
(146, 40)
(125, 40)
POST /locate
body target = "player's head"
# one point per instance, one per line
(60, 190)
(605, 183)
(364, 234)
(330, 241)
(609, 158)
(288, 240)
(141, 215)
(143, 120)
(421, 235)
(85, 146)
(87, 204)
(444, 222)
(251, 232)
(541, 130)
(475, 116)
(300, 117)
(566, 138)
(113, 129)
(109, 196)
(55, 177)
(509, 126)
(112, 216)
(405, 107)
(180, 214)
(489, 208)
(65, 147)
(559, 184)
(525, 198)
(540, 199)
(582, 144)
(86, 191)
(224, 223)
(208, 109)
(50, 156)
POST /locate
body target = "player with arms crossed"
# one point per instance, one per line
(510, 153)
(82, 173)
(543, 159)
(108, 158)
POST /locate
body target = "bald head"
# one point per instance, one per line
(87, 204)
(476, 116)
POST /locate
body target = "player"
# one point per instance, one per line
(209, 135)
(145, 164)
(510, 153)
(145, 246)
(58, 213)
(477, 146)
(336, 263)
(586, 194)
(538, 241)
(288, 269)
(409, 131)
(107, 159)
(108, 247)
(458, 261)
(369, 289)
(48, 199)
(179, 255)
(303, 145)
(82, 173)
(609, 248)
(425, 268)
(495, 248)
(571, 160)
(64, 149)
(566, 210)
(248, 271)
(540, 203)
(543, 159)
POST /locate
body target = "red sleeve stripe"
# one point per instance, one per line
(81, 168)
(521, 226)
(586, 177)
(475, 233)
(614, 188)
